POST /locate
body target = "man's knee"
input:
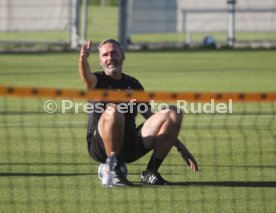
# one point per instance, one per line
(111, 114)
(173, 113)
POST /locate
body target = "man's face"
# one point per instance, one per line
(111, 59)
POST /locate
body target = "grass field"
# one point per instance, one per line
(45, 167)
(158, 70)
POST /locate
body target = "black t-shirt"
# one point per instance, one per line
(125, 83)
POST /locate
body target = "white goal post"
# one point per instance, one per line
(41, 17)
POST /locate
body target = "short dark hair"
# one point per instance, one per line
(113, 41)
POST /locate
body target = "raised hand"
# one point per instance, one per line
(85, 50)
(88, 78)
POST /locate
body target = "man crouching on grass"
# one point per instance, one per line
(113, 134)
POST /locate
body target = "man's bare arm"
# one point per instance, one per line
(88, 78)
(186, 155)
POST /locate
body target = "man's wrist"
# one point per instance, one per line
(180, 147)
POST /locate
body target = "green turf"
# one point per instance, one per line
(161, 70)
(45, 167)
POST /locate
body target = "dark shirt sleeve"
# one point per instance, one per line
(101, 82)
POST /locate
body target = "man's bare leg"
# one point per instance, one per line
(111, 129)
(160, 133)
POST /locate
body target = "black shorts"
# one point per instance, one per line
(132, 148)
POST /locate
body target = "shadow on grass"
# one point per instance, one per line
(50, 164)
(229, 183)
(36, 174)
(270, 184)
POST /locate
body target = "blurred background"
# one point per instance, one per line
(137, 24)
